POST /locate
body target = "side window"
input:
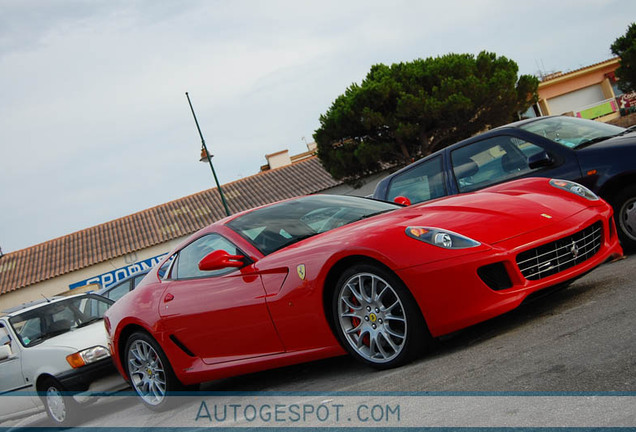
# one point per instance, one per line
(423, 182)
(491, 161)
(119, 291)
(165, 267)
(88, 309)
(187, 265)
(138, 279)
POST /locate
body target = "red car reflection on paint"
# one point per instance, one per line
(322, 275)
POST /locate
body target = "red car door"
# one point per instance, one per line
(220, 315)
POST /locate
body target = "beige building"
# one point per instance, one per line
(589, 92)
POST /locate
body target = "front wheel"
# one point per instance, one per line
(625, 214)
(149, 371)
(377, 319)
(60, 407)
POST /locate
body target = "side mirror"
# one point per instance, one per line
(220, 259)
(402, 200)
(540, 160)
(5, 352)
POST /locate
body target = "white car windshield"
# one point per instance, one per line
(52, 319)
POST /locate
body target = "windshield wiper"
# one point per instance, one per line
(90, 321)
(375, 214)
(626, 131)
(603, 138)
(593, 141)
(46, 336)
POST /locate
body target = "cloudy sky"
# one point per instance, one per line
(94, 122)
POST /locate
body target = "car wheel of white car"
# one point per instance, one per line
(60, 407)
(377, 319)
(150, 373)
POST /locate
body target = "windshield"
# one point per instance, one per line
(51, 319)
(274, 227)
(570, 131)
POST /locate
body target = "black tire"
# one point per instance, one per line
(150, 372)
(624, 204)
(382, 326)
(60, 406)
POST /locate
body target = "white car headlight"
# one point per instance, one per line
(441, 237)
(574, 188)
(87, 356)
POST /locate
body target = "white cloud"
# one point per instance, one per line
(94, 123)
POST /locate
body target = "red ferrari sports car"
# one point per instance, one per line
(322, 275)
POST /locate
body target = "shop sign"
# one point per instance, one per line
(106, 279)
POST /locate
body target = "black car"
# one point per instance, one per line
(122, 287)
(594, 154)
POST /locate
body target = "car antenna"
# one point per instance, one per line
(45, 298)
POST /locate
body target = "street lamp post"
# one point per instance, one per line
(205, 153)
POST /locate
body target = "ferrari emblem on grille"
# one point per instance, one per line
(301, 271)
(547, 216)
(574, 250)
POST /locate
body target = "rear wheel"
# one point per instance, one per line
(60, 407)
(150, 373)
(625, 214)
(377, 319)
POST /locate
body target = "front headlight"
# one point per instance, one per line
(87, 356)
(441, 237)
(574, 188)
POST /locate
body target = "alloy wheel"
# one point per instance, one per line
(372, 318)
(147, 372)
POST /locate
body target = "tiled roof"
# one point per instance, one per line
(157, 225)
(559, 75)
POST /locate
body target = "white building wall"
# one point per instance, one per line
(574, 101)
(61, 284)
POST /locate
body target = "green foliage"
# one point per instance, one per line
(625, 48)
(408, 110)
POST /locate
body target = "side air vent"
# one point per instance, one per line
(181, 346)
(495, 276)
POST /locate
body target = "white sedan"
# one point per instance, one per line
(52, 355)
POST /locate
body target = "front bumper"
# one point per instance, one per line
(452, 295)
(98, 376)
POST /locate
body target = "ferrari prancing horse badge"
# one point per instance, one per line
(301, 271)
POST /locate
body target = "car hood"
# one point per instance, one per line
(79, 338)
(488, 217)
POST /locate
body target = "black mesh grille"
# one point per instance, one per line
(562, 254)
(495, 276)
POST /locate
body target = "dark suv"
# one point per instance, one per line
(597, 155)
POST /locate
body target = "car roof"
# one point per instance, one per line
(16, 310)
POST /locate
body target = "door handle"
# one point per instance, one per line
(168, 298)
